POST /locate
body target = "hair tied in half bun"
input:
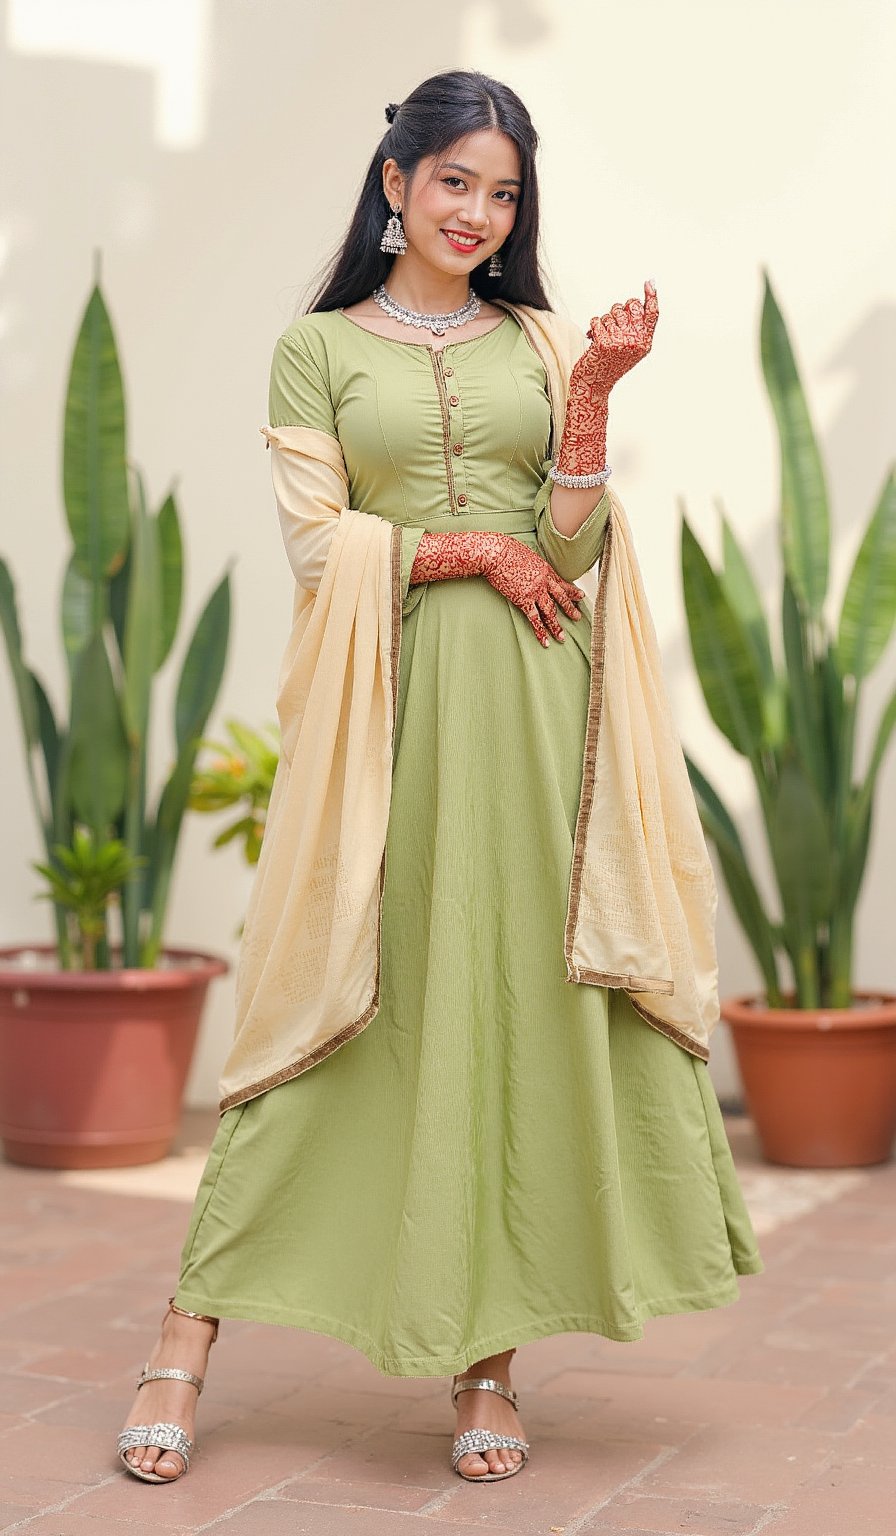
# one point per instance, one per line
(391, 110)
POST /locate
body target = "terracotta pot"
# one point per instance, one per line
(93, 1064)
(820, 1084)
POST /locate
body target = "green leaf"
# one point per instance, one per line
(142, 622)
(49, 735)
(869, 604)
(722, 654)
(885, 728)
(203, 666)
(21, 676)
(719, 826)
(743, 595)
(171, 572)
(802, 854)
(93, 469)
(99, 748)
(805, 518)
(77, 613)
(805, 695)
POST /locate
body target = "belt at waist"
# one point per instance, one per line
(479, 522)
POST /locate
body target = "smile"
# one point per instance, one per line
(461, 242)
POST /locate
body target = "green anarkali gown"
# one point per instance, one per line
(500, 1154)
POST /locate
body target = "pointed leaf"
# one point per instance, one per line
(203, 666)
(805, 519)
(722, 655)
(94, 475)
(869, 604)
(171, 571)
(141, 630)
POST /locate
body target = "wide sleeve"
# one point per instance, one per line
(308, 501)
(571, 555)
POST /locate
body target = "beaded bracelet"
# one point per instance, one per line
(580, 481)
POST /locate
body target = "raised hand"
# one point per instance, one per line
(519, 573)
(617, 341)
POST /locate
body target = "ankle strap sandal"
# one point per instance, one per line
(163, 1437)
(480, 1440)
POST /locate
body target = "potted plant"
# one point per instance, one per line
(817, 1059)
(97, 1030)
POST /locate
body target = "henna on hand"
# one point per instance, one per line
(519, 573)
(617, 341)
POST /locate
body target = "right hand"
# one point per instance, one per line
(530, 582)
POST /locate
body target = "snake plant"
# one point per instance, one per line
(791, 710)
(88, 765)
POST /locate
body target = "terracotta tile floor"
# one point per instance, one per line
(775, 1414)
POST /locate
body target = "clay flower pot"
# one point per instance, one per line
(820, 1084)
(93, 1064)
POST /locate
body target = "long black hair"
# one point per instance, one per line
(439, 112)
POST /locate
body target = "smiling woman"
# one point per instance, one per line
(446, 1128)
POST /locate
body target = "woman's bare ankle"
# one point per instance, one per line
(495, 1366)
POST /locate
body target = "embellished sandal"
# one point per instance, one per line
(485, 1439)
(164, 1437)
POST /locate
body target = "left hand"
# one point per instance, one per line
(618, 340)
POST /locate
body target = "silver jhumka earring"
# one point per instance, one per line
(394, 242)
(496, 266)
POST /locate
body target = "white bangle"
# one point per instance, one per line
(580, 481)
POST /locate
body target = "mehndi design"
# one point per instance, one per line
(522, 575)
(618, 340)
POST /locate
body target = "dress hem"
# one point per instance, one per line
(434, 1365)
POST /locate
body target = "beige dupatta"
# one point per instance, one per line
(642, 896)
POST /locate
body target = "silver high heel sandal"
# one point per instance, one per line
(485, 1439)
(163, 1437)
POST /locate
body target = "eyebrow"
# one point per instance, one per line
(505, 181)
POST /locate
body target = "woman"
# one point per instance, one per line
(502, 1155)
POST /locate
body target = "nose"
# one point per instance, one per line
(474, 215)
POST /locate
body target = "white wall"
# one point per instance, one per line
(213, 153)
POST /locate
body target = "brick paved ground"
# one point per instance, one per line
(776, 1414)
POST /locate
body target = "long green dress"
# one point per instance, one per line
(500, 1154)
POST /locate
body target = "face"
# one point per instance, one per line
(472, 191)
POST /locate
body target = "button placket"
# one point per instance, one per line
(456, 422)
(453, 425)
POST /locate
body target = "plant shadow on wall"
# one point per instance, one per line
(97, 1031)
(818, 1061)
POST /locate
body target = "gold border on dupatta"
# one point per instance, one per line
(327, 1047)
(575, 974)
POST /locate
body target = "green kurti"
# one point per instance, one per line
(499, 1154)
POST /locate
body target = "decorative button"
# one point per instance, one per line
(458, 448)
(453, 400)
(462, 500)
(449, 373)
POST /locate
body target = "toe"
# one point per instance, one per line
(472, 1465)
(495, 1461)
(170, 1465)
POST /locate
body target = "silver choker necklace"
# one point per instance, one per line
(438, 324)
